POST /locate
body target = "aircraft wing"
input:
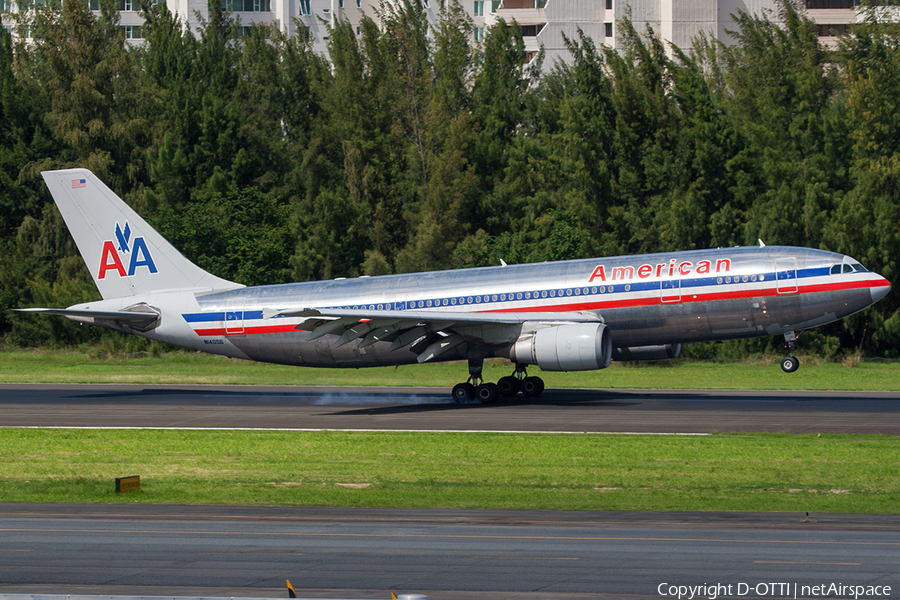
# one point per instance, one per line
(428, 315)
(428, 333)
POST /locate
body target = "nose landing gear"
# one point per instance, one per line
(790, 363)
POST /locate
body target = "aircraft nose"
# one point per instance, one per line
(880, 290)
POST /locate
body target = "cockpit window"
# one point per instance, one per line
(847, 268)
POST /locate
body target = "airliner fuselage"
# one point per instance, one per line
(645, 300)
(559, 316)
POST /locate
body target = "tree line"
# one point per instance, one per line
(413, 150)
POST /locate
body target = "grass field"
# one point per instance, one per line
(187, 368)
(756, 472)
(749, 472)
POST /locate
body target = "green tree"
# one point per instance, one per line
(783, 97)
(87, 74)
(866, 221)
(445, 190)
(241, 235)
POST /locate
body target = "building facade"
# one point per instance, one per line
(544, 22)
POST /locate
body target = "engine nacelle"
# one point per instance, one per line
(582, 347)
(645, 353)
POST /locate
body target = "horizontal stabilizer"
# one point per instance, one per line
(140, 320)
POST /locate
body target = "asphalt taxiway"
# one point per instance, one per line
(564, 410)
(447, 554)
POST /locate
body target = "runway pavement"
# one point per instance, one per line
(446, 554)
(295, 407)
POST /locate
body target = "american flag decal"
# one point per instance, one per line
(79, 183)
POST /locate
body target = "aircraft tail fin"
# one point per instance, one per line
(126, 257)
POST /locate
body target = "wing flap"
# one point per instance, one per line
(428, 333)
(439, 347)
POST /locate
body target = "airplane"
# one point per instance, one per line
(571, 315)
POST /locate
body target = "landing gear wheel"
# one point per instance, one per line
(789, 364)
(487, 393)
(462, 392)
(508, 386)
(532, 386)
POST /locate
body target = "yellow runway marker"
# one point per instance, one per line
(14, 550)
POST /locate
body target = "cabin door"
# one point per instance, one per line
(786, 275)
(670, 288)
(234, 317)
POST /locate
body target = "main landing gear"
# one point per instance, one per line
(790, 363)
(475, 388)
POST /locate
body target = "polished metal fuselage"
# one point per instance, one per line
(675, 297)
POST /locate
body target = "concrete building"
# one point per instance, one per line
(543, 22)
(677, 21)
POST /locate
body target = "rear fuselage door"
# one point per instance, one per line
(234, 316)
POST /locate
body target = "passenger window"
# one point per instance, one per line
(848, 269)
(835, 269)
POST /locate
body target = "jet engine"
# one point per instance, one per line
(635, 353)
(581, 347)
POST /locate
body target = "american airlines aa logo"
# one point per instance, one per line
(113, 258)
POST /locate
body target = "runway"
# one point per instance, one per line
(560, 410)
(446, 554)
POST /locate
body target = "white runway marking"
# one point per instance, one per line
(356, 430)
